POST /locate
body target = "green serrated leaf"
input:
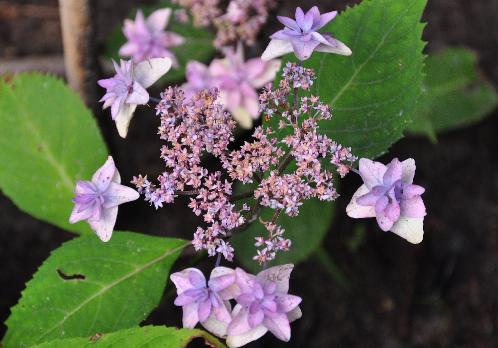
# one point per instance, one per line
(147, 336)
(373, 92)
(454, 94)
(49, 139)
(198, 43)
(306, 232)
(87, 287)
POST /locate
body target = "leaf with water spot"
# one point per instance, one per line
(87, 287)
(49, 139)
(147, 336)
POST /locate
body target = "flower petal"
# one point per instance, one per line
(104, 175)
(244, 280)
(149, 71)
(190, 315)
(221, 281)
(413, 207)
(138, 96)
(371, 172)
(334, 46)
(158, 20)
(123, 119)
(276, 48)
(357, 211)
(218, 321)
(303, 49)
(242, 116)
(294, 314)
(323, 19)
(287, 303)
(104, 226)
(268, 74)
(239, 340)
(118, 194)
(79, 214)
(411, 229)
(279, 275)
(204, 309)
(229, 292)
(393, 173)
(408, 168)
(279, 326)
(288, 22)
(182, 280)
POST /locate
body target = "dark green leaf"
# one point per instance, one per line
(306, 232)
(87, 287)
(454, 94)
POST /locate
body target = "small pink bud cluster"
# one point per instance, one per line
(273, 243)
(242, 20)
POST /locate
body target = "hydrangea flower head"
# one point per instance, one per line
(389, 195)
(147, 37)
(263, 305)
(206, 302)
(97, 200)
(127, 89)
(301, 36)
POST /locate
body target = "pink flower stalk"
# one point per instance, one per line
(389, 195)
(207, 303)
(301, 36)
(147, 38)
(263, 305)
(127, 89)
(97, 200)
(237, 81)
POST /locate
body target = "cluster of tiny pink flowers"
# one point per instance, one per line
(198, 125)
(297, 76)
(242, 20)
(273, 243)
(203, 11)
(293, 77)
(253, 158)
(193, 127)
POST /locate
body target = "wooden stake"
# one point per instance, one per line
(79, 48)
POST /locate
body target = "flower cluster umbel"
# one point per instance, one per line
(198, 125)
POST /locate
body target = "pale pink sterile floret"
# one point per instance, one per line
(206, 302)
(127, 89)
(147, 37)
(389, 195)
(263, 305)
(301, 36)
(97, 201)
(237, 80)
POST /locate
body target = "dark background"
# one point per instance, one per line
(441, 293)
